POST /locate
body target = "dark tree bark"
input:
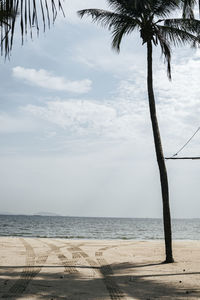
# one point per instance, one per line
(160, 159)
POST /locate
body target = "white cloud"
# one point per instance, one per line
(45, 79)
(126, 115)
(108, 119)
(178, 102)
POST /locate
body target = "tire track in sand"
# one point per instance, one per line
(67, 263)
(28, 272)
(77, 252)
(114, 290)
(103, 267)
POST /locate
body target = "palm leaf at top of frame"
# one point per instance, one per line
(185, 157)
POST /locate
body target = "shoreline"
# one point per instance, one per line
(49, 268)
(96, 239)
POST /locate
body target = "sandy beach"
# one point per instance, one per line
(33, 268)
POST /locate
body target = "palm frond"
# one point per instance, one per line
(162, 8)
(166, 51)
(8, 13)
(33, 13)
(189, 25)
(137, 8)
(107, 19)
(133, 8)
(119, 31)
(188, 7)
(178, 37)
(119, 24)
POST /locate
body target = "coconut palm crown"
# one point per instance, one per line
(28, 14)
(151, 19)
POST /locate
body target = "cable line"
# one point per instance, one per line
(173, 156)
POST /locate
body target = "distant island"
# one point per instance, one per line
(46, 214)
(6, 213)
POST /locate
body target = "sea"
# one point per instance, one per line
(95, 228)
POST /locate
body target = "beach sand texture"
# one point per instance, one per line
(33, 268)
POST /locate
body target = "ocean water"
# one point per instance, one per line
(95, 228)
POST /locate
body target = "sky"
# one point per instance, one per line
(75, 131)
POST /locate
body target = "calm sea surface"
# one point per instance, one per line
(95, 228)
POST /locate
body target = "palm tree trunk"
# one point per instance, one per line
(160, 159)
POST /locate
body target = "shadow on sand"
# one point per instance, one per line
(98, 283)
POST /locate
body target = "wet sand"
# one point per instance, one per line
(33, 268)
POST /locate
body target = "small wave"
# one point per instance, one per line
(95, 228)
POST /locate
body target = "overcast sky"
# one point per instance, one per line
(75, 132)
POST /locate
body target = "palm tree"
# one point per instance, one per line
(32, 13)
(149, 17)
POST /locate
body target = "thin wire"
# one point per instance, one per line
(186, 143)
